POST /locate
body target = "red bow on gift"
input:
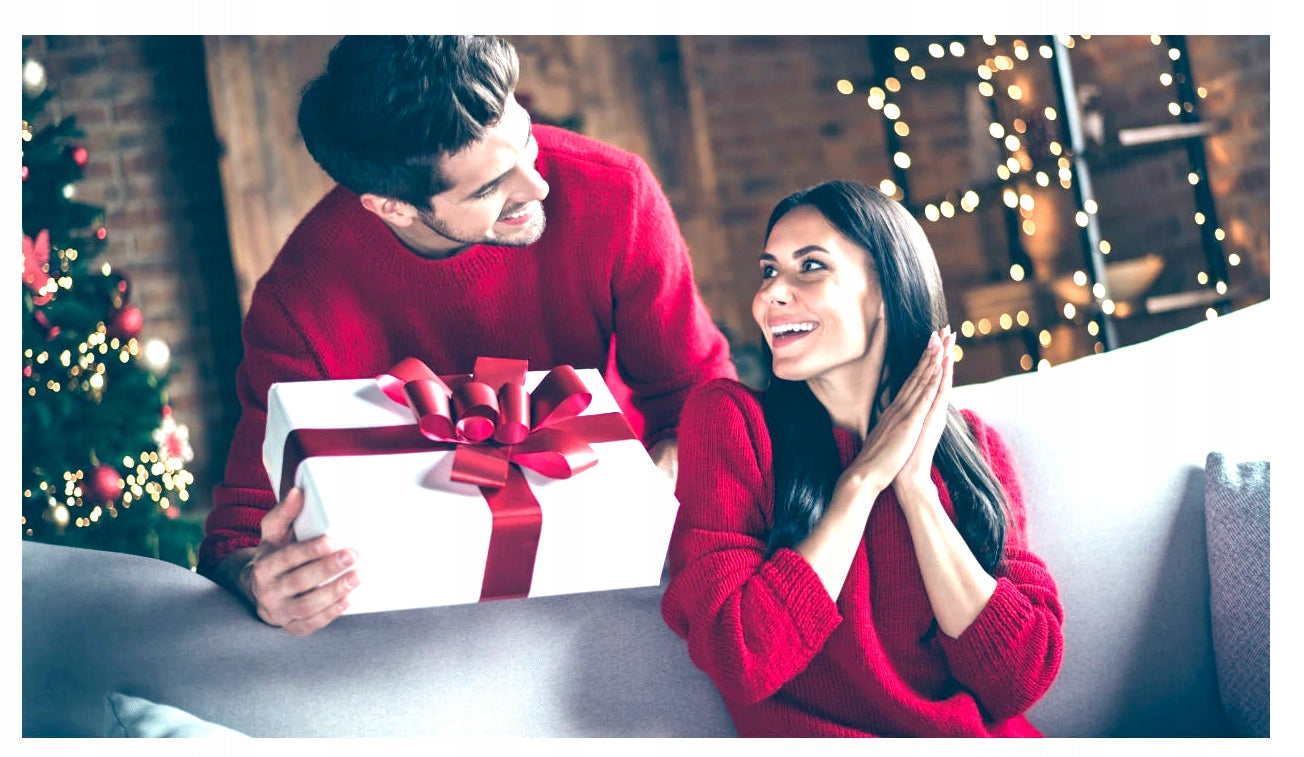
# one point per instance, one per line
(494, 421)
(36, 254)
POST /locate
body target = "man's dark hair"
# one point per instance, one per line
(387, 109)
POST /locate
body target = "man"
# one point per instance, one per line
(459, 229)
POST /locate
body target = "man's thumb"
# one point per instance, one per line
(278, 521)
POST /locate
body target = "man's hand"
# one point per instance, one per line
(665, 454)
(289, 582)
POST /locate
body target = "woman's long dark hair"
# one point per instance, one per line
(806, 461)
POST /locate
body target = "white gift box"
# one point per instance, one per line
(423, 540)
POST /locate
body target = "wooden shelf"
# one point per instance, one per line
(1144, 141)
(1162, 133)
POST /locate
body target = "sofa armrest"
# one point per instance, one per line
(597, 664)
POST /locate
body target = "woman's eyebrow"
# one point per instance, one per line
(795, 253)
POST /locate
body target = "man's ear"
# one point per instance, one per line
(391, 211)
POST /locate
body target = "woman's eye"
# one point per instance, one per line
(768, 272)
(811, 264)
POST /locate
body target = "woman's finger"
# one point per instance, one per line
(909, 387)
(922, 380)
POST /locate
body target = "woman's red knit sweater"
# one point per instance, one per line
(788, 660)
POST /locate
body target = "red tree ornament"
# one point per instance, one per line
(51, 331)
(36, 257)
(125, 323)
(104, 484)
(80, 156)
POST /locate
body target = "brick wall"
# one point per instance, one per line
(768, 118)
(143, 105)
(776, 122)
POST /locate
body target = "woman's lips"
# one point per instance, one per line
(791, 336)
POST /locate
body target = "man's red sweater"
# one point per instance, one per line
(788, 660)
(345, 299)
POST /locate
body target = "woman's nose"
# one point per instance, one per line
(777, 292)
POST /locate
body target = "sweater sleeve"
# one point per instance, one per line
(752, 623)
(1009, 656)
(666, 342)
(274, 350)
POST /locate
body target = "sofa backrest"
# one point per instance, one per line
(1111, 451)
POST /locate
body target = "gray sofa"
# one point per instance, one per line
(1165, 606)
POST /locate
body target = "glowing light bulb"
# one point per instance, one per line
(34, 75)
(157, 353)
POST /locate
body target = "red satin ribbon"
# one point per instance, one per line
(494, 421)
(556, 446)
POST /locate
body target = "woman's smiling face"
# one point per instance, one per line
(819, 301)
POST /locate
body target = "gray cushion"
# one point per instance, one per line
(1237, 507)
(131, 717)
(597, 664)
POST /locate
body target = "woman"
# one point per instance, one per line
(850, 557)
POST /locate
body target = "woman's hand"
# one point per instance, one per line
(917, 469)
(832, 543)
(896, 437)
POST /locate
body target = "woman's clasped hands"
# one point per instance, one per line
(898, 450)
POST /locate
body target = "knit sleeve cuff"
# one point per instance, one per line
(234, 523)
(794, 582)
(983, 649)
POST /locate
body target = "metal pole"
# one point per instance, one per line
(884, 64)
(1204, 202)
(1082, 189)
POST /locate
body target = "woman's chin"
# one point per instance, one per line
(787, 372)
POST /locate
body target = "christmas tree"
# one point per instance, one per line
(103, 457)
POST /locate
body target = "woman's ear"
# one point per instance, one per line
(391, 211)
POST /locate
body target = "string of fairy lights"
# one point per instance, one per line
(158, 476)
(84, 496)
(1018, 169)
